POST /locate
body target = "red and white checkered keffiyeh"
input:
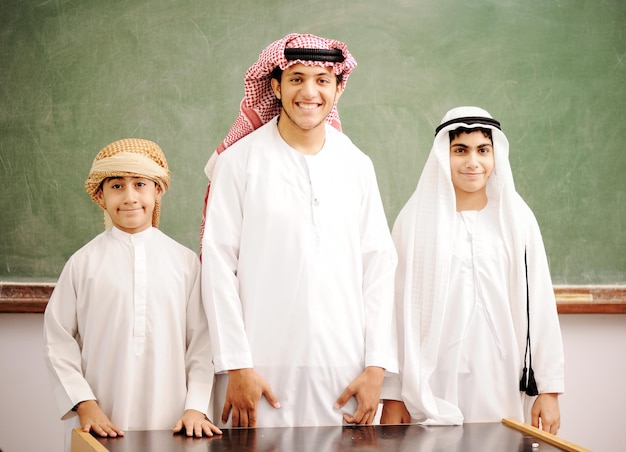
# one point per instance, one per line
(260, 105)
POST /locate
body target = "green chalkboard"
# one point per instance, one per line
(76, 75)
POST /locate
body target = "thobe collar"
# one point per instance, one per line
(125, 236)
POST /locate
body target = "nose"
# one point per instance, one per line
(130, 195)
(308, 88)
(472, 160)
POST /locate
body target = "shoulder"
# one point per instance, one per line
(343, 145)
(340, 138)
(96, 245)
(165, 240)
(84, 261)
(172, 249)
(523, 212)
(259, 137)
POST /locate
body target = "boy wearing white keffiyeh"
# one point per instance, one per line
(479, 335)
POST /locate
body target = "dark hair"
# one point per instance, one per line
(277, 73)
(456, 132)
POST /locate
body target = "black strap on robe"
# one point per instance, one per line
(528, 384)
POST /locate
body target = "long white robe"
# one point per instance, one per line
(478, 362)
(426, 281)
(125, 325)
(298, 267)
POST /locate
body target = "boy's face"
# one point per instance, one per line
(471, 162)
(307, 95)
(130, 202)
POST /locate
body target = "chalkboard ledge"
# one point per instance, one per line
(33, 297)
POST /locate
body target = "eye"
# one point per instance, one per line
(141, 184)
(116, 186)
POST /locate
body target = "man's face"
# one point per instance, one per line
(471, 162)
(307, 94)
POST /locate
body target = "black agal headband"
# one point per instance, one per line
(470, 120)
(332, 55)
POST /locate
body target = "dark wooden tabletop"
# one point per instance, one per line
(488, 437)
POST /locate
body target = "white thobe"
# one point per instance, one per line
(478, 365)
(125, 326)
(452, 301)
(298, 267)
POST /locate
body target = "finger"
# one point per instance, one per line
(189, 428)
(178, 427)
(207, 428)
(550, 427)
(271, 397)
(110, 430)
(198, 430)
(367, 418)
(363, 413)
(99, 430)
(234, 417)
(343, 398)
(243, 418)
(239, 417)
(252, 418)
(358, 416)
(535, 420)
(226, 413)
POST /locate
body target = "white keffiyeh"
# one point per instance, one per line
(423, 235)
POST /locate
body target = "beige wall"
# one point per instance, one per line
(591, 409)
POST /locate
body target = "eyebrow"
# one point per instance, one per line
(317, 74)
(463, 145)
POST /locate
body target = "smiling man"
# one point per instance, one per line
(298, 262)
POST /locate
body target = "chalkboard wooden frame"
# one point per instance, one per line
(33, 297)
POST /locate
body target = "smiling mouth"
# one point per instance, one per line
(308, 106)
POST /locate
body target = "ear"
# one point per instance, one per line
(339, 91)
(276, 88)
(159, 192)
(99, 195)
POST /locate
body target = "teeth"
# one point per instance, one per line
(307, 106)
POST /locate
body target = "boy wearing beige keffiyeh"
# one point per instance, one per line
(126, 338)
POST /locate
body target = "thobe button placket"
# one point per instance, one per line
(140, 278)
(315, 201)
